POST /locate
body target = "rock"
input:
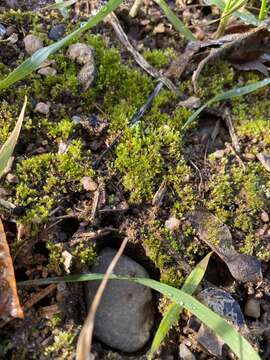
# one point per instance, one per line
(46, 71)
(265, 217)
(3, 31)
(125, 315)
(86, 75)
(81, 53)
(185, 353)
(252, 308)
(42, 108)
(32, 43)
(193, 102)
(89, 184)
(12, 179)
(172, 223)
(223, 304)
(57, 32)
(76, 119)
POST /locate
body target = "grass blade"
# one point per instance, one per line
(175, 21)
(236, 92)
(8, 147)
(246, 16)
(238, 344)
(174, 310)
(32, 63)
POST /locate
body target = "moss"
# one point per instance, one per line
(156, 251)
(63, 342)
(45, 180)
(159, 58)
(7, 121)
(85, 253)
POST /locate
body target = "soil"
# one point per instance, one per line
(53, 215)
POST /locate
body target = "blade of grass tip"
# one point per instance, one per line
(32, 63)
(176, 22)
(60, 4)
(238, 344)
(236, 92)
(246, 16)
(63, 9)
(174, 310)
(8, 147)
(86, 334)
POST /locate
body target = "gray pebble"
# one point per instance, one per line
(86, 75)
(252, 308)
(57, 32)
(32, 43)
(12, 178)
(81, 53)
(3, 30)
(126, 314)
(42, 108)
(185, 353)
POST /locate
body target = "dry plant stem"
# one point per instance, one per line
(85, 337)
(114, 22)
(228, 121)
(135, 8)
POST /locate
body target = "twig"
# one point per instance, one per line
(228, 120)
(135, 8)
(114, 22)
(38, 296)
(85, 337)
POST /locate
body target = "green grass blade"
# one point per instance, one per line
(8, 147)
(175, 21)
(63, 9)
(174, 310)
(238, 344)
(246, 16)
(236, 92)
(60, 5)
(32, 63)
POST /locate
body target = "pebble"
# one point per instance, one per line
(12, 179)
(32, 43)
(185, 353)
(81, 53)
(192, 102)
(56, 32)
(172, 223)
(265, 217)
(125, 315)
(46, 71)
(76, 119)
(89, 184)
(42, 108)
(3, 30)
(86, 75)
(252, 308)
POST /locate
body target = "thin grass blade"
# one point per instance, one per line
(238, 344)
(32, 63)
(174, 310)
(236, 92)
(60, 4)
(175, 21)
(8, 147)
(243, 14)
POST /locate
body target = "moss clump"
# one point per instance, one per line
(85, 253)
(63, 342)
(153, 242)
(159, 58)
(46, 179)
(238, 197)
(7, 121)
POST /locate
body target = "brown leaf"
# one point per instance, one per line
(217, 236)
(9, 301)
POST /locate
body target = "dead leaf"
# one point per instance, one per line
(217, 236)
(9, 301)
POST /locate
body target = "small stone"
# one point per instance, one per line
(81, 53)
(252, 308)
(192, 102)
(249, 156)
(57, 32)
(218, 154)
(159, 29)
(172, 223)
(265, 160)
(89, 184)
(46, 71)
(3, 31)
(265, 217)
(208, 339)
(3, 193)
(125, 315)
(76, 119)
(42, 108)
(32, 43)
(185, 353)
(12, 179)
(86, 75)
